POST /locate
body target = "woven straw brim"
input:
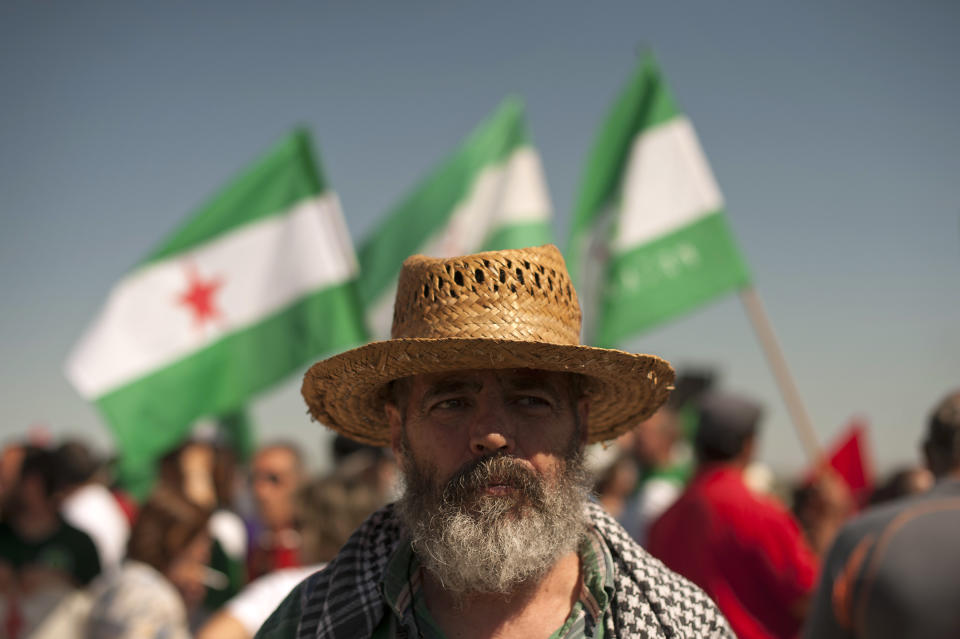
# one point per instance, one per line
(346, 392)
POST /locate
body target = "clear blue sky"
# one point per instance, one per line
(831, 127)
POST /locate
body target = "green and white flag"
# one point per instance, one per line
(247, 290)
(489, 194)
(649, 240)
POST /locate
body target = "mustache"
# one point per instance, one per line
(501, 469)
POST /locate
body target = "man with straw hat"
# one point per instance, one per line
(487, 398)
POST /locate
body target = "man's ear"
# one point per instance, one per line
(395, 420)
(583, 411)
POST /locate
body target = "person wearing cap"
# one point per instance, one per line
(746, 551)
(895, 570)
(487, 398)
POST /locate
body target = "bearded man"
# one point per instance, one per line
(487, 399)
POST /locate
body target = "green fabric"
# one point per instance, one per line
(645, 102)
(427, 209)
(630, 288)
(287, 174)
(235, 571)
(518, 236)
(667, 277)
(238, 427)
(67, 550)
(153, 414)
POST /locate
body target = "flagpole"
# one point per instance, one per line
(778, 364)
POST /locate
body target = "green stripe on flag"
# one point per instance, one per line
(427, 209)
(151, 414)
(649, 239)
(669, 276)
(245, 292)
(644, 103)
(288, 174)
(518, 235)
(238, 428)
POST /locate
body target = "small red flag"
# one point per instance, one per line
(850, 458)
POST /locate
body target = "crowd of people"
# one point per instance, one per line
(210, 552)
(700, 506)
(492, 477)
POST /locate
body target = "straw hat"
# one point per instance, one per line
(495, 310)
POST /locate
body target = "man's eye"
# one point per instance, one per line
(450, 404)
(532, 400)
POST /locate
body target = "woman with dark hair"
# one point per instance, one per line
(162, 579)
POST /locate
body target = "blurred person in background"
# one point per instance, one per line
(276, 474)
(329, 510)
(204, 473)
(230, 534)
(903, 482)
(661, 448)
(88, 505)
(42, 558)
(615, 476)
(374, 465)
(895, 570)
(11, 457)
(163, 577)
(744, 550)
(822, 505)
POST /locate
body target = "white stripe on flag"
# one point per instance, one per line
(513, 192)
(668, 184)
(261, 268)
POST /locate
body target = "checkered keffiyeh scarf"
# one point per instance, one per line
(344, 601)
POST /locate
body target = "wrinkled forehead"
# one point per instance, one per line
(475, 380)
(522, 377)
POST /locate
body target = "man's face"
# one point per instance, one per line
(275, 477)
(493, 471)
(452, 419)
(653, 439)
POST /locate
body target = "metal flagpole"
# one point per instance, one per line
(771, 348)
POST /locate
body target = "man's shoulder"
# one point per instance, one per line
(344, 598)
(650, 594)
(894, 540)
(878, 519)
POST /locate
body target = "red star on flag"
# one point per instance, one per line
(199, 297)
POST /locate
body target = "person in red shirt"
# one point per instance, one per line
(746, 551)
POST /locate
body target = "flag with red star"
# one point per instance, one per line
(251, 288)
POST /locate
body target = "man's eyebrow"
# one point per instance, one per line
(530, 382)
(454, 385)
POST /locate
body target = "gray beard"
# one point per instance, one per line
(473, 542)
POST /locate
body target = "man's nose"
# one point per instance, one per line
(491, 431)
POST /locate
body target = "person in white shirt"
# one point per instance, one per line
(89, 506)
